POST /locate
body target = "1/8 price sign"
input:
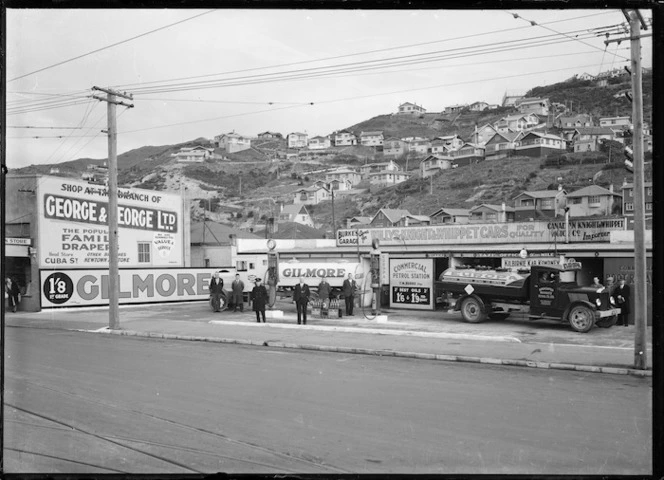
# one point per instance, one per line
(411, 295)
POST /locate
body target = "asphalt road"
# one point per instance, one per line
(85, 403)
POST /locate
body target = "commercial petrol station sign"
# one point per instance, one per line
(73, 219)
(411, 283)
(579, 231)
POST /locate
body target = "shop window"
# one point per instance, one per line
(143, 252)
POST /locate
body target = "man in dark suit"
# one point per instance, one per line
(621, 294)
(301, 297)
(349, 288)
(237, 293)
(216, 290)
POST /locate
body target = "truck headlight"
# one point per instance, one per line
(598, 302)
(612, 300)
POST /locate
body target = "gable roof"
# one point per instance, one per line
(592, 191)
(456, 212)
(293, 209)
(540, 194)
(362, 134)
(491, 206)
(392, 214)
(509, 136)
(365, 220)
(291, 230)
(594, 131)
(215, 233)
(543, 135)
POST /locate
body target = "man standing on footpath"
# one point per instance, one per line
(349, 288)
(324, 291)
(301, 297)
(237, 293)
(621, 294)
(216, 290)
(259, 300)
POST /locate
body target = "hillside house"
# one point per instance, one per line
(586, 76)
(411, 109)
(232, 142)
(510, 98)
(613, 73)
(489, 213)
(517, 123)
(358, 222)
(445, 216)
(311, 195)
(539, 204)
(344, 138)
(434, 164)
(478, 106)
(593, 200)
(573, 122)
(452, 142)
(319, 143)
(455, 108)
(467, 154)
(339, 186)
(492, 106)
(297, 213)
(394, 147)
(501, 145)
(386, 178)
(439, 147)
(483, 134)
(344, 175)
(371, 139)
(389, 217)
(297, 140)
(628, 202)
(421, 146)
(367, 169)
(270, 136)
(196, 154)
(536, 144)
(615, 123)
(587, 139)
(538, 106)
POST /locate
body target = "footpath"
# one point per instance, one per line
(438, 335)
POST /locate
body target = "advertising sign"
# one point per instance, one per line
(580, 231)
(73, 218)
(518, 262)
(78, 288)
(411, 283)
(313, 272)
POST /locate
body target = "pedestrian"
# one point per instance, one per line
(610, 285)
(349, 288)
(237, 292)
(324, 291)
(216, 291)
(259, 300)
(13, 293)
(301, 298)
(622, 294)
(597, 283)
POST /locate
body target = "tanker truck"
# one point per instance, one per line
(548, 292)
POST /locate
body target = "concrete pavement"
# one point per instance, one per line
(436, 335)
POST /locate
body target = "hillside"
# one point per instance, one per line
(249, 185)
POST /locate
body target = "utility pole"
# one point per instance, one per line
(113, 270)
(334, 229)
(636, 22)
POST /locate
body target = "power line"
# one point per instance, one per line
(110, 46)
(133, 86)
(51, 128)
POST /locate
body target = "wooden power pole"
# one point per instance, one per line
(113, 270)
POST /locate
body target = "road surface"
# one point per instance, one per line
(86, 403)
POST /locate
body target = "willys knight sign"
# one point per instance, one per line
(73, 218)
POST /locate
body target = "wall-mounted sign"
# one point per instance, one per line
(73, 231)
(18, 241)
(580, 231)
(411, 283)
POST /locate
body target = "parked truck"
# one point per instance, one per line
(548, 292)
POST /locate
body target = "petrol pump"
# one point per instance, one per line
(375, 276)
(272, 274)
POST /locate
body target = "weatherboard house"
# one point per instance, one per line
(411, 109)
(196, 154)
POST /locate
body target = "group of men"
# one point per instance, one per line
(621, 294)
(301, 295)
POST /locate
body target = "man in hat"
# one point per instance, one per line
(216, 291)
(237, 292)
(349, 288)
(301, 297)
(259, 300)
(621, 294)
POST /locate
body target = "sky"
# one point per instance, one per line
(201, 73)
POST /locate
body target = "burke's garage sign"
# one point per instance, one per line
(73, 218)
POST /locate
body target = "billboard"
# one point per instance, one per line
(411, 283)
(80, 288)
(73, 231)
(580, 231)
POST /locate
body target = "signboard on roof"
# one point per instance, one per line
(73, 231)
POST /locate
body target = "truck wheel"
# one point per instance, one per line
(581, 318)
(607, 322)
(471, 310)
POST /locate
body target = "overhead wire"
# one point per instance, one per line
(109, 46)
